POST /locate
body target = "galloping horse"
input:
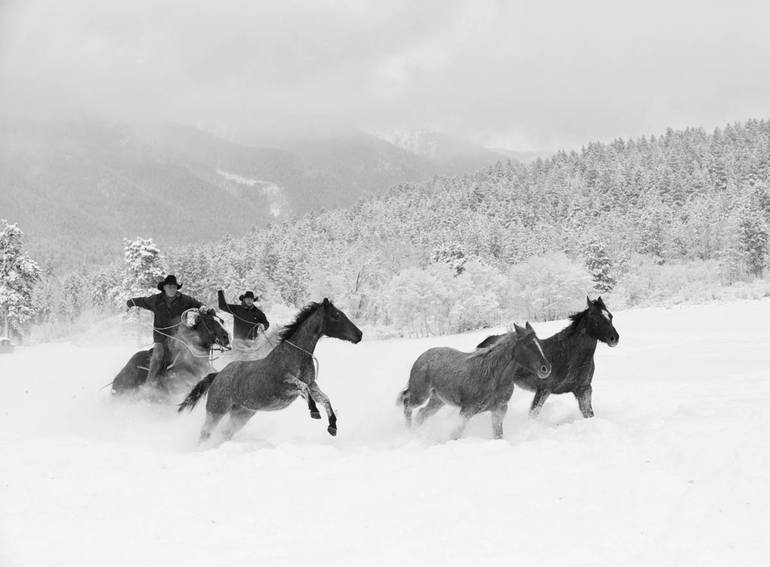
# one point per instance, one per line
(475, 382)
(571, 351)
(244, 387)
(188, 347)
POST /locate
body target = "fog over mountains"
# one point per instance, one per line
(89, 183)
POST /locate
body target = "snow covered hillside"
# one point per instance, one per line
(674, 469)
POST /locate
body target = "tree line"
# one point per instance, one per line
(637, 219)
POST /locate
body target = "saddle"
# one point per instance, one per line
(166, 365)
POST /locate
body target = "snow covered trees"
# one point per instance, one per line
(143, 267)
(643, 218)
(18, 276)
(752, 231)
(600, 267)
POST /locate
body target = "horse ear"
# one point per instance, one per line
(588, 301)
(519, 330)
(326, 301)
(529, 327)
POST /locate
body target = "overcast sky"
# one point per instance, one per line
(523, 75)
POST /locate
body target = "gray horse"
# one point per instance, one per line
(272, 383)
(475, 382)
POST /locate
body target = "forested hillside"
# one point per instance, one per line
(78, 187)
(682, 213)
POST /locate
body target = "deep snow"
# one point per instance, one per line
(672, 471)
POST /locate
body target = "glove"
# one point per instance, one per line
(203, 309)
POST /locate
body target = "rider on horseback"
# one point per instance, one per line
(247, 318)
(168, 306)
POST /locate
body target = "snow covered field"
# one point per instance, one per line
(674, 470)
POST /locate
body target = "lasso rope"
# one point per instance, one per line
(316, 362)
(253, 325)
(160, 330)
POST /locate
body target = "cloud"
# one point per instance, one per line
(538, 75)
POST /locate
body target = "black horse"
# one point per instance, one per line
(571, 353)
(188, 347)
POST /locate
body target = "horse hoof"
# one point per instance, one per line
(315, 414)
(332, 431)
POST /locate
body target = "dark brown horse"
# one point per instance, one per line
(188, 346)
(571, 352)
(475, 382)
(244, 387)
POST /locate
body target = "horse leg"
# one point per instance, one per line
(434, 404)
(541, 395)
(305, 393)
(208, 426)
(466, 416)
(498, 415)
(417, 392)
(314, 413)
(323, 399)
(584, 401)
(238, 418)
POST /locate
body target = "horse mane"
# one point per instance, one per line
(575, 320)
(502, 341)
(301, 317)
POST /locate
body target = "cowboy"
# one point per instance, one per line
(167, 306)
(247, 317)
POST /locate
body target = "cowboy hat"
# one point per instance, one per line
(248, 294)
(170, 280)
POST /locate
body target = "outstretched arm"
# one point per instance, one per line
(141, 302)
(223, 305)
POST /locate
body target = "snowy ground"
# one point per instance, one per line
(673, 470)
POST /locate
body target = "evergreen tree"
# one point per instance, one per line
(452, 254)
(600, 267)
(18, 276)
(752, 230)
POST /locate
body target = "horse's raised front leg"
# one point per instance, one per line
(498, 415)
(303, 388)
(584, 401)
(541, 395)
(305, 393)
(314, 413)
(323, 399)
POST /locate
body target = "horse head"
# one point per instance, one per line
(599, 322)
(206, 328)
(528, 353)
(337, 325)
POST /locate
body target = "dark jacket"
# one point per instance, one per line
(245, 319)
(168, 312)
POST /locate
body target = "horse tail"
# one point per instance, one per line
(402, 397)
(197, 393)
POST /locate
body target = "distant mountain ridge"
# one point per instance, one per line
(86, 184)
